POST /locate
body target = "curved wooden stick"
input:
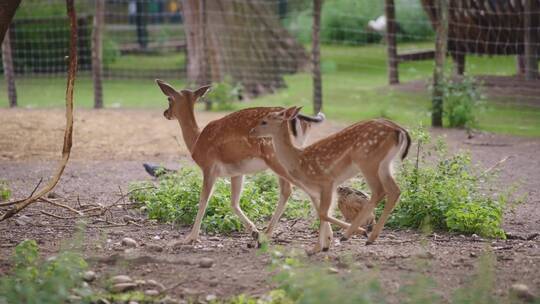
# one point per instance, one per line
(68, 134)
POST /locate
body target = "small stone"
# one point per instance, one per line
(121, 287)
(425, 255)
(140, 282)
(151, 292)
(522, 292)
(211, 297)
(23, 220)
(206, 262)
(369, 265)
(133, 302)
(121, 279)
(333, 270)
(129, 242)
(473, 254)
(213, 283)
(156, 284)
(89, 276)
(103, 301)
(52, 194)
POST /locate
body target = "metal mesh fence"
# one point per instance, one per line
(258, 42)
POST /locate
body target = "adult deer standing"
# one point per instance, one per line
(224, 149)
(368, 147)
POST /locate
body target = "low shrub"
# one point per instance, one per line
(444, 191)
(462, 101)
(33, 280)
(175, 199)
(5, 191)
(223, 94)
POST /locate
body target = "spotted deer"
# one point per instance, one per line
(224, 149)
(367, 147)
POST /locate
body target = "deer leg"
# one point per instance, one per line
(284, 194)
(377, 194)
(237, 183)
(392, 195)
(208, 184)
(325, 230)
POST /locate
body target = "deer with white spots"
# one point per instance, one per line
(224, 149)
(367, 147)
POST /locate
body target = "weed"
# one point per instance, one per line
(443, 191)
(224, 93)
(5, 191)
(462, 101)
(35, 281)
(175, 199)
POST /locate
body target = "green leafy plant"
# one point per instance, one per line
(444, 192)
(5, 192)
(33, 280)
(176, 196)
(224, 93)
(462, 101)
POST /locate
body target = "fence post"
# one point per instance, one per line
(530, 40)
(205, 66)
(9, 72)
(97, 53)
(391, 45)
(440, 54)
(316, 56)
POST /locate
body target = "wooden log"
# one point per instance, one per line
(391, 45)
(416, 55)
(9, 72)
(97, 53)
(316, 57)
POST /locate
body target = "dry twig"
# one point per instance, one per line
(68, 134)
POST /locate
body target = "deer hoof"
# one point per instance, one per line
(368, 242)
(325, 249)
(343, 238)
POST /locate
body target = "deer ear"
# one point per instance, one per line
(166, 88)
(201, 91)
(292, 112)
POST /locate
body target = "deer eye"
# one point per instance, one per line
(263, 123)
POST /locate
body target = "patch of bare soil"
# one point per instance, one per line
(110, 147)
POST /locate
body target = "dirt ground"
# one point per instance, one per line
(109, 148)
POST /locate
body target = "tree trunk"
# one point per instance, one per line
(242, 40)
(97, 53)
(7, 11)
(530, 40)
(440, 55)
(9, 72)
(316, 57)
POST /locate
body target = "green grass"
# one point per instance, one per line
(354, 88)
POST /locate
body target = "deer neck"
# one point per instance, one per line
(190, 128)
(286, 152)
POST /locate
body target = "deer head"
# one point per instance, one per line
(271, 125)
(180, 101)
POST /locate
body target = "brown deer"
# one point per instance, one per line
(367, 147)
(224, 149)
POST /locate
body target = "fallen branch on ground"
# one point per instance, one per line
(68, 134)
